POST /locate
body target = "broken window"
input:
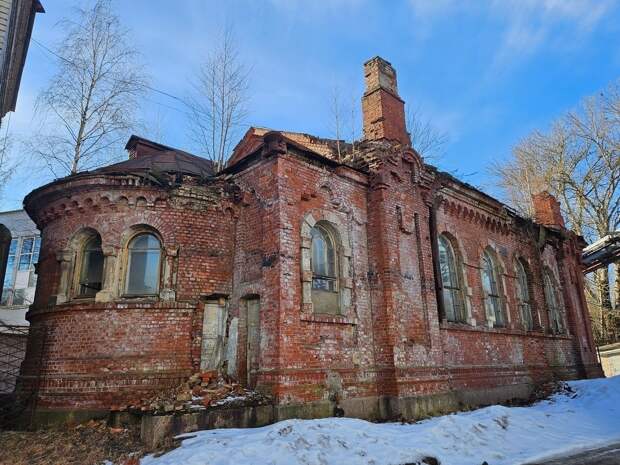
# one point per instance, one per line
(91, 273)
(450, 281)
(553, 303)
(523, 296)
(143, 265)
(492, 290)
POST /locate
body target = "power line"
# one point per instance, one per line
(154, 89)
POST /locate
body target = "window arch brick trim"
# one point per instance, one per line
(70, 260)
(554, 302)
(521, 260)
(499, 269)
(550, 265)
(345, 281)
(167, 263)
(461, 269)
(115, 252)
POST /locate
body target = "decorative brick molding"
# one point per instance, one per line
(465, 287)
(337, 222)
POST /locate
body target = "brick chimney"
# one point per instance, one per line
(547, 210)
(383, 109)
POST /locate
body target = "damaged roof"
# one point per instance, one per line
(253, 139)
(149, 156)
(327, 149)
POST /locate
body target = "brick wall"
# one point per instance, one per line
(242, 239)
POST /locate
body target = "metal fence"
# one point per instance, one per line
(18, 399)
(13, 340)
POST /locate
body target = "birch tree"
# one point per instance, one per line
(89, 105)
(219, 103)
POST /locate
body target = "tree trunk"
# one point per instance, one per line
(617, 286)
(604, 298)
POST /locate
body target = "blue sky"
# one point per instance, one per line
(486, 72)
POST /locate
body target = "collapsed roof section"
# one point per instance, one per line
(253, 140)
(148, 156)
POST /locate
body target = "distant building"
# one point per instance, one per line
(16, 21)
(610, 359)
(20, 281)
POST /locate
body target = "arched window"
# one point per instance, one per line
(450, 281)
(143, 265)
(325, 292)
(323, 260)
(492, 290)
(553, 302)
(523, 296)
(91, 272)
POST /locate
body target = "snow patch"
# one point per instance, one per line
(499, 435)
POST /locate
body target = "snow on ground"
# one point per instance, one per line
(496, 434)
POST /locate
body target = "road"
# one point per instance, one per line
(608, 455)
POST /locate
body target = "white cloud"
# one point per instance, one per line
(530, 23)
(526, 24)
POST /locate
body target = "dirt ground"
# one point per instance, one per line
(88, 444)
(94, 442)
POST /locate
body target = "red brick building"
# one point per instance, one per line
(373, 281)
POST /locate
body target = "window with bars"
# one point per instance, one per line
(523, 296)
(492, 290)
(452, 291)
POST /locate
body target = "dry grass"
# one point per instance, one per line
(88, 444)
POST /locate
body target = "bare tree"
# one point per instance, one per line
(529, 172)
(155, 127)
(7, 166)
(337, 118)
(578, 160)
(218, 105)
(355, 128)
(89, 105)
(343, 120)
(426, 139)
